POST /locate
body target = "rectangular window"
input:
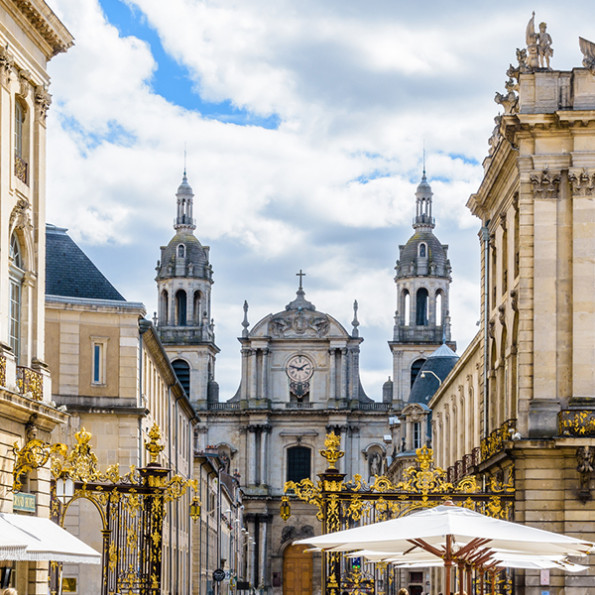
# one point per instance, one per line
(15, 317)
(98, 360)
(416, 435)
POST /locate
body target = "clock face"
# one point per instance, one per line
(299, 368)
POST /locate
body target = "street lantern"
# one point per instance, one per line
(285, 508)
(195, 509)
(64, 488)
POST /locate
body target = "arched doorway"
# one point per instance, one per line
(297, 571)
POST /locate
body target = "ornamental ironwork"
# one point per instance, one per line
(343, 504)
(576, 422)
(30, 381)
(496, 441)
(131, 507)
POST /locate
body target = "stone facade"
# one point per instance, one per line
(30, 35)
(112, 375)
(536, 346)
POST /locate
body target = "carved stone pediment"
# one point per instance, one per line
(299, 323)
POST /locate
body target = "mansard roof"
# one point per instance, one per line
(70, 273)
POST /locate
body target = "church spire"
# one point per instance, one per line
(423, 207)
(184, 197)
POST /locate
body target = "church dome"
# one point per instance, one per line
(184, 249)
(431, 375)
(433, 253)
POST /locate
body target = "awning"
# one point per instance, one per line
(42, 539)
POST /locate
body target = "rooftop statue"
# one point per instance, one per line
(539, 46)
(588, 50)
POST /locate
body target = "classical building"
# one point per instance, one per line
(111, 374)
(30, 35)
(520, 403)
(422, 320)
(299, 380)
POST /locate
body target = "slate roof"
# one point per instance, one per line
(436, 253)
(70, 273)
(440, 362)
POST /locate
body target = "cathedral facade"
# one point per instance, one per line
(300, 380)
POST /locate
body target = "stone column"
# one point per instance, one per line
(251, 455)
(544, 405)
(332, 374)
(265, 373)
(245, 375)
(264, 454)
(258, 454)
(343, 394)
(583, 283)
(253, 374)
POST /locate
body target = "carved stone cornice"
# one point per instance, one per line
(545, 184)
(43, 101)
(6, 65)
(582, 182)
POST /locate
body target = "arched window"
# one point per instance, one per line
(298, 463)
(181, 251)
(406, 308)
(16, 274)
(438, 308)
(415, 368)
(422, 250)
(182, 370)
(20, 142)
(181, 307)
(197, 307)
(421, 307)
(164, 308)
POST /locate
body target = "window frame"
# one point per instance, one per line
(99, 361)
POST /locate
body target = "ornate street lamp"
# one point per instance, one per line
(285, 509)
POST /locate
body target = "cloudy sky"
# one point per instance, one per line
(304, 123)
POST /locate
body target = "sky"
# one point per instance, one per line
(304, 125)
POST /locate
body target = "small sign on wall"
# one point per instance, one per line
(544, 577)
(23, 502)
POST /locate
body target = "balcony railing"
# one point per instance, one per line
(30, 381)
(494, 443)
(21, 169)
(576, 422)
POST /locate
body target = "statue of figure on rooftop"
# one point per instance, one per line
(544, 46)
(532, 43)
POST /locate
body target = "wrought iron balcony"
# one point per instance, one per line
(30, 381)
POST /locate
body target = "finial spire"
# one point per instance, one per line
(184, 160)
(355, 321)
(424, 160)
(245, 322)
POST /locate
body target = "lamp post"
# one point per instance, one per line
(424, 372)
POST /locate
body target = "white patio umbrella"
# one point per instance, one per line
(448, 532)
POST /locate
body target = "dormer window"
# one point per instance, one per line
(181, 251)
(422, 250)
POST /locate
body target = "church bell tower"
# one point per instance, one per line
(184, 323)
(422, 321)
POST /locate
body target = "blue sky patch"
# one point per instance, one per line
(172, 80)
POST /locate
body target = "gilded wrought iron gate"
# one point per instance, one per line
(344, 504)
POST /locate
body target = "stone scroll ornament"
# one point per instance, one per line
(588, 50)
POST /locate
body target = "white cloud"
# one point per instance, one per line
(359, 88)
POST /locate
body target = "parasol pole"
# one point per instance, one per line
(461, 576)
(447, 563)
(469, 570)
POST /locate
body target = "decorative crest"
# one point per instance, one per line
(332, 453)
(153, 446)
